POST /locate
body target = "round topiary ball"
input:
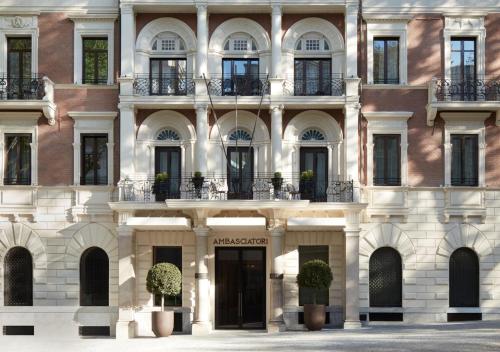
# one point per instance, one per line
(315, 274)
(164, 279)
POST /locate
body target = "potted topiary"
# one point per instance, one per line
(160, 186)
(277, 181)
(316, 275)
(163, 279)
(307, 185)
(198, 180)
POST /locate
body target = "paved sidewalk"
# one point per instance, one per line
(475, 337)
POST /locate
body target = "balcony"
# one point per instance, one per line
(481, 94)
(297, 85)
(163, 85)
(256, 187)
(242, 85)
(33, 92)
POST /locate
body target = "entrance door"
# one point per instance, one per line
(316, 160)
(240, 288)
(240, 173)
(168, 159)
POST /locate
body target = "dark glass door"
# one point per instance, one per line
(313, 77)
(463, 69)
(240, 172)
(168, 159)
(315, 160)
(240, 288)
(240, 77)
(19, 69)
(168, 77)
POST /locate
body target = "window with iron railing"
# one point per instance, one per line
(95, 61)
(313, 77)
(18, 159)
(386, 60)
(94, 159)
(386, 160)
(464, 160)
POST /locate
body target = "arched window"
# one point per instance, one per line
(312, 135)
(168, 135)
(240, 135)
(94, 278)
(240, 43)
(385, 278)
(167, 42)
(312, 43)
(464, 278)
(18, 277)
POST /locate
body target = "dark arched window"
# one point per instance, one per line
(464, 278)
(385, 278)
(18, 278)
(94, 278)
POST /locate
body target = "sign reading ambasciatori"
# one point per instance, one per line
(239, 241)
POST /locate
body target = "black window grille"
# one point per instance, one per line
(307, 253)
(464, 278)
(464, 160)
(172, 255)
(18, 277)
(18, 155)
(18, 330)
(385, 278)
(94, 159)
(94, 278)
(387, 160)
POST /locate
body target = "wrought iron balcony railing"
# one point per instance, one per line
(299, 85)
(165, 85)
(21, 87)
(484, 89)
(242, 85)
(256, 187)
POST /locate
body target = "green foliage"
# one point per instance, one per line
(161, 177)
(164, 279)
(197, 174)
(307, 175)
(315, 274)
(277, 175)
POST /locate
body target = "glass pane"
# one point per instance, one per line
(379, 161)
(456, 45)
(456, 64)
(18, 166)
(95, 60)
(378, 61)
(456, 160)
(469, 65)
(469, 45)
(102, 161)
(320, 173)
(392, 61)
(470, 160)
(393, 160)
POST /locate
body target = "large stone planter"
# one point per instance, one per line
(162, 323)
(314, 316)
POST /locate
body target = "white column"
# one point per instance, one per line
(351, 40)
(127, 141)
(201, 324)
(276, 41)
(202, 37)
(125, 325)
(201, 138)
(276, 137)
(351, 147)
(127, 20)
(276, 322)
(352, 269)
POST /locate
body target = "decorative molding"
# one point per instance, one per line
(464, 235)
(92, 115)
(402, 116)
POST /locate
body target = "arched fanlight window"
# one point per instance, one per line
(168, 135)
(240, 135)
(312, 42)
(464, 278)
(167, 42)
(18, 277)
(240, 43)
(312, 135)
(385, 278)
(94, 277)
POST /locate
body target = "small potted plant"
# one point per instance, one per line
(198, 180)
(307, 184)
(316, 275)
(160, 186)
(277, 181)
(163, 279)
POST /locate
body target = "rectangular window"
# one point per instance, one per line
(387, 160)
(386, 60)
(241, 77)
(314, 77)
(95, 60)
(464, 160)
(307, 253)
(94, 159)
(172, 255)
(463, 69)
(19, 80)
(18, 159)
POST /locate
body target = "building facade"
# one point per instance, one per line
(137, 132)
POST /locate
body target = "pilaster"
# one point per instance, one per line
(277, 232)
(201, 138)
(201, 324)
(277, 137)
(351, 231)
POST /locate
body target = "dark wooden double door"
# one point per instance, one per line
(240, 288)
